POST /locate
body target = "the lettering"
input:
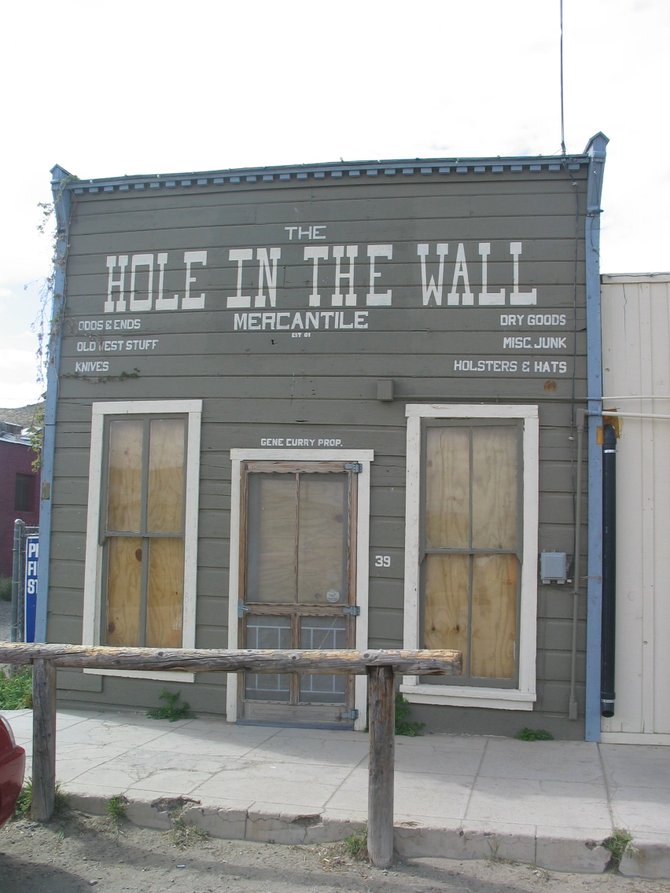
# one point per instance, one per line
(345, 274)
(488, 298)
(485, 365)
(138, 282)
(91, 366)
(373, 298)
(142, 295)
(110, 345)
(547, 319)
(267, 277)
(498, 366)
(301, 442)
(531, 342)
(461, 293)
(466, 298)
(517, 296)
(288, 321)
(430, 288)
(314, 233)
(339, 252)
(550, 367)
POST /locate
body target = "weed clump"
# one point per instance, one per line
(356, 845)
(116, 808)
(403, 724)
(527, 734)
(618, 843)
(24, 801)
(16, 690)
(173, 707)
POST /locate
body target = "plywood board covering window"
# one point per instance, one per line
(143, 532)
(471, 546)
(471, 565)
(142, 525)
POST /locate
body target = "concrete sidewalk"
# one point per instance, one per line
(545, 803)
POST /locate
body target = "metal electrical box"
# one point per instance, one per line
(553, 567)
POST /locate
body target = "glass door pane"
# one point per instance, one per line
(321, 633)
(271, 539)
(272, 633)
(322, 539)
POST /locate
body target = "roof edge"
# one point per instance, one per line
(331, 170)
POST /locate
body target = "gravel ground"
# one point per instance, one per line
(78, 853)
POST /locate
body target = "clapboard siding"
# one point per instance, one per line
(636, 383)
(258, 384)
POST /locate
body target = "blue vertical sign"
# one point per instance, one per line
(32, 556)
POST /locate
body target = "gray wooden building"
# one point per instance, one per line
(327, 406)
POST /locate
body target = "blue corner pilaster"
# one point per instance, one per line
(62, 203)
(596, 150)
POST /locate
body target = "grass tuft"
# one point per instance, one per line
(356, 845)
(173, 707)
(527, 734)
(16, 690)
(403, 724)
(618, 844)
(25, 801)
(116, 808)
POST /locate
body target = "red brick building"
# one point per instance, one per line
(19, 489)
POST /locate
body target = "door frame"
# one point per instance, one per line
(365, 457)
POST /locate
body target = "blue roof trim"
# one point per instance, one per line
(60, 182)
(416, 167)
(597, 152)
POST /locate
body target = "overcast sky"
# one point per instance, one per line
(158, 86)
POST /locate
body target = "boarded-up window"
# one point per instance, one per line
(143, 531)
(472, 546)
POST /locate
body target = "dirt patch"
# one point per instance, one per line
(80, 852)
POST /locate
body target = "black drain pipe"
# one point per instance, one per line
(609, 573)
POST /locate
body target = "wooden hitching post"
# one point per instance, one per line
(381, 698)
(44, 740)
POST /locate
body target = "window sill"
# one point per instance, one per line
(161, 675)
(462, 696)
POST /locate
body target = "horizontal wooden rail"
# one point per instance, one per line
(203, 660)
(379, 666)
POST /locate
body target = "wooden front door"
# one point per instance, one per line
(297, 586)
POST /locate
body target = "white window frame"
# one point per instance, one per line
(94, 550)
(524, 696)
(365, 457)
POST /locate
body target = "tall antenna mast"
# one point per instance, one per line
(562, 98)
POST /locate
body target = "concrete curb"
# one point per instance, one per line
(412, 839)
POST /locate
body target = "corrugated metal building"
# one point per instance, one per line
(330, 406)
(636, 376)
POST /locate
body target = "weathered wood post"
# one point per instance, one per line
(44, 740)
(380, 667)
(381, 705)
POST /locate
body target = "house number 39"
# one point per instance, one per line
(382, 561)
